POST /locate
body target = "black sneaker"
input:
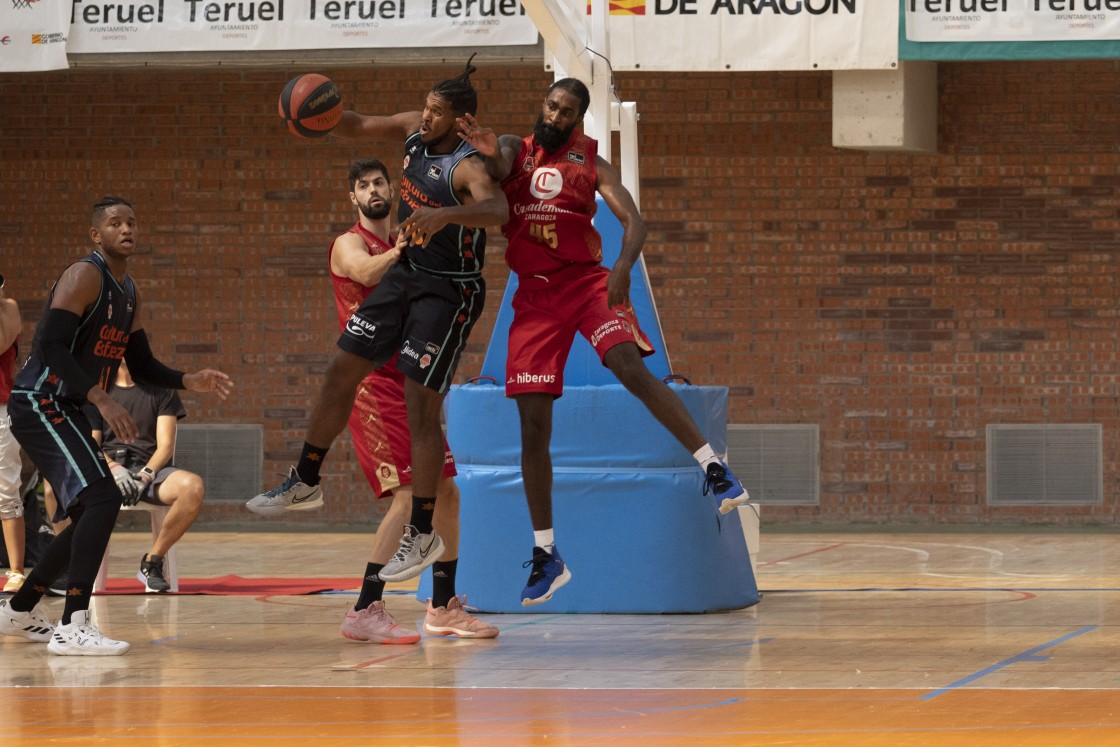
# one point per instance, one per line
(151, 574)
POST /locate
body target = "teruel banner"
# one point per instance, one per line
(713, 35)
(99, 26)
(654, 35)
(33, 35)
(1011, 20)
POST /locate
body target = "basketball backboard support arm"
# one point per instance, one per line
(581, 51)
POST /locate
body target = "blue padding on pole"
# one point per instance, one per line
(584, 366)
(630, 517)
(635, 543)
(593, 427)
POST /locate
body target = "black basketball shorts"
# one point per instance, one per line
(422, 318)
(58, 438)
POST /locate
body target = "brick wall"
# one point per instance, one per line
(901, 302)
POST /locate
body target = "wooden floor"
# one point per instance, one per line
(868, 640)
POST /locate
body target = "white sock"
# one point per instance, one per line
(544, 539)
(706, 455)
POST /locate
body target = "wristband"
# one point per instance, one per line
(145, 476)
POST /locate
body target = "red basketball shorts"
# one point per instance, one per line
(545, 323)
(379, 427)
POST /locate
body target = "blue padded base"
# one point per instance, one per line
(638, 538)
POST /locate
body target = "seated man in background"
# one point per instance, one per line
(143, 469)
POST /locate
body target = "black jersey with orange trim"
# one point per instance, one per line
(98, 345)
(454, 251)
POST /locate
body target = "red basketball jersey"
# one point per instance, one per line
(551, 203)
(7, 369)
(349, 294)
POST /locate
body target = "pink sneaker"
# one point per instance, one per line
(374, 624)
(454, 620)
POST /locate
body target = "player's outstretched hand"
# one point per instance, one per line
(482, 139)
(208, 380)
(423, 224)
(113, 415)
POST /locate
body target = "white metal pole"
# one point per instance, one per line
(597, 124)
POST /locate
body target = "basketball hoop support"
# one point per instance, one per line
(581, 50)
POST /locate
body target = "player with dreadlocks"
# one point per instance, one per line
(418, 318)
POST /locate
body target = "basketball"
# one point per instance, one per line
(311, 105)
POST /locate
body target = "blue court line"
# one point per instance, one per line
(948, 589)
(1031, 655)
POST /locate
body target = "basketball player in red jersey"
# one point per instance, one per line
(550, 179)
(379, 422)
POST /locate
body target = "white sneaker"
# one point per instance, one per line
(291, 495)
(33, 625)
(415, 553)
(80, 638)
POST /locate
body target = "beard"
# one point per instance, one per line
(550, 138)
(374, 213)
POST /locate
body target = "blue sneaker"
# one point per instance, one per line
(549, 574)
(722, 483)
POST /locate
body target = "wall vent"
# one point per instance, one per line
(1044, 465)
(228, 457)
(778, 464)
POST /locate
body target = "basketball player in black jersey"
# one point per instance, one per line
(423, 309)
(91, 321)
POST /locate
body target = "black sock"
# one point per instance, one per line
(422, 510)
(372, 587)
(91, 538)
(443, 581)
(310, 462)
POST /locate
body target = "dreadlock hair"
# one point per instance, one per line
(105, 203)
(577, 89)
(458, 91)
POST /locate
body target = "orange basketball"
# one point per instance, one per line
(311, 105)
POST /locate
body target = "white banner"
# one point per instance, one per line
(727, 35)
(1012, 20)
(33, 35)
(236, 25)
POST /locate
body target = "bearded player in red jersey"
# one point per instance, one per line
(358, 259)
(550, 179)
